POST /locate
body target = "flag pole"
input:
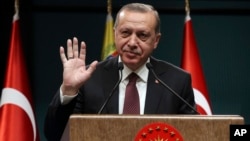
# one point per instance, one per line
(17, 6)
(16, 14)
(109, 6)
(187, 8)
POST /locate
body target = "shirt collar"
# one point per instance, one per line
(142, 72)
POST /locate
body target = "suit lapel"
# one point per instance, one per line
(154, 90)
(153, 95)
(110, 78)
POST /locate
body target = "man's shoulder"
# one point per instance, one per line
(164, 66)
(107, 65)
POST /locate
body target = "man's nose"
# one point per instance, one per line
(133, 41)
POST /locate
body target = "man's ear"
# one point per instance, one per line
(157, 40)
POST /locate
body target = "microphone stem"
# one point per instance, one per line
(112, 92)
(173, 92)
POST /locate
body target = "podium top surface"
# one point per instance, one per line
(194, 117)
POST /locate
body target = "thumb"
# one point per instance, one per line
(92, 67)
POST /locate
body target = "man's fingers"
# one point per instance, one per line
(69, 48)
(83, 51)
(62, 55)
(75, 48)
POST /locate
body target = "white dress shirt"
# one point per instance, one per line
(141, 85)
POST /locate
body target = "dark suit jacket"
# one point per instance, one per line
(159, 100)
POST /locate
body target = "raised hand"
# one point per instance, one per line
(75, 72)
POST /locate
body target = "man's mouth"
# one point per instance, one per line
(132, 52)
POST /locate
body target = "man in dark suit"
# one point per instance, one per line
(85, 88)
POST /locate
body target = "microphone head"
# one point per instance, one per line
(149, 65)
(120, 66)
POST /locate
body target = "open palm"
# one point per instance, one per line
(75, 72)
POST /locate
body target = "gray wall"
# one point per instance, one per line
(221, 28)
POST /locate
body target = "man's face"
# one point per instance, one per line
(135, 37)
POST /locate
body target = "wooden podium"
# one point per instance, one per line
(126, 127)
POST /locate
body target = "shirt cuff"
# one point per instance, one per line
(65, 99)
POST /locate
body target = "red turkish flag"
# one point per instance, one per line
(191, 63)
(17, 120)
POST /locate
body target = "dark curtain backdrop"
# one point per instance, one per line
(221, 28)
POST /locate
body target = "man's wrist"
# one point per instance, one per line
(65, 99)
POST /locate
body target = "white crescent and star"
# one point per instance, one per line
(15, 97)
(202, 101)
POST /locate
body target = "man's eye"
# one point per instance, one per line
(125, 33)
(143, 36)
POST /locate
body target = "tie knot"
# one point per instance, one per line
(133, 77)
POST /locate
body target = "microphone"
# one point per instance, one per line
(120, 68)
(150, 67)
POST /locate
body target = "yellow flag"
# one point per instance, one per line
(108, 49)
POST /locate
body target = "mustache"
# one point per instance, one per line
(134, 51)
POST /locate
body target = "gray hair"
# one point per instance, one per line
(140, 7)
